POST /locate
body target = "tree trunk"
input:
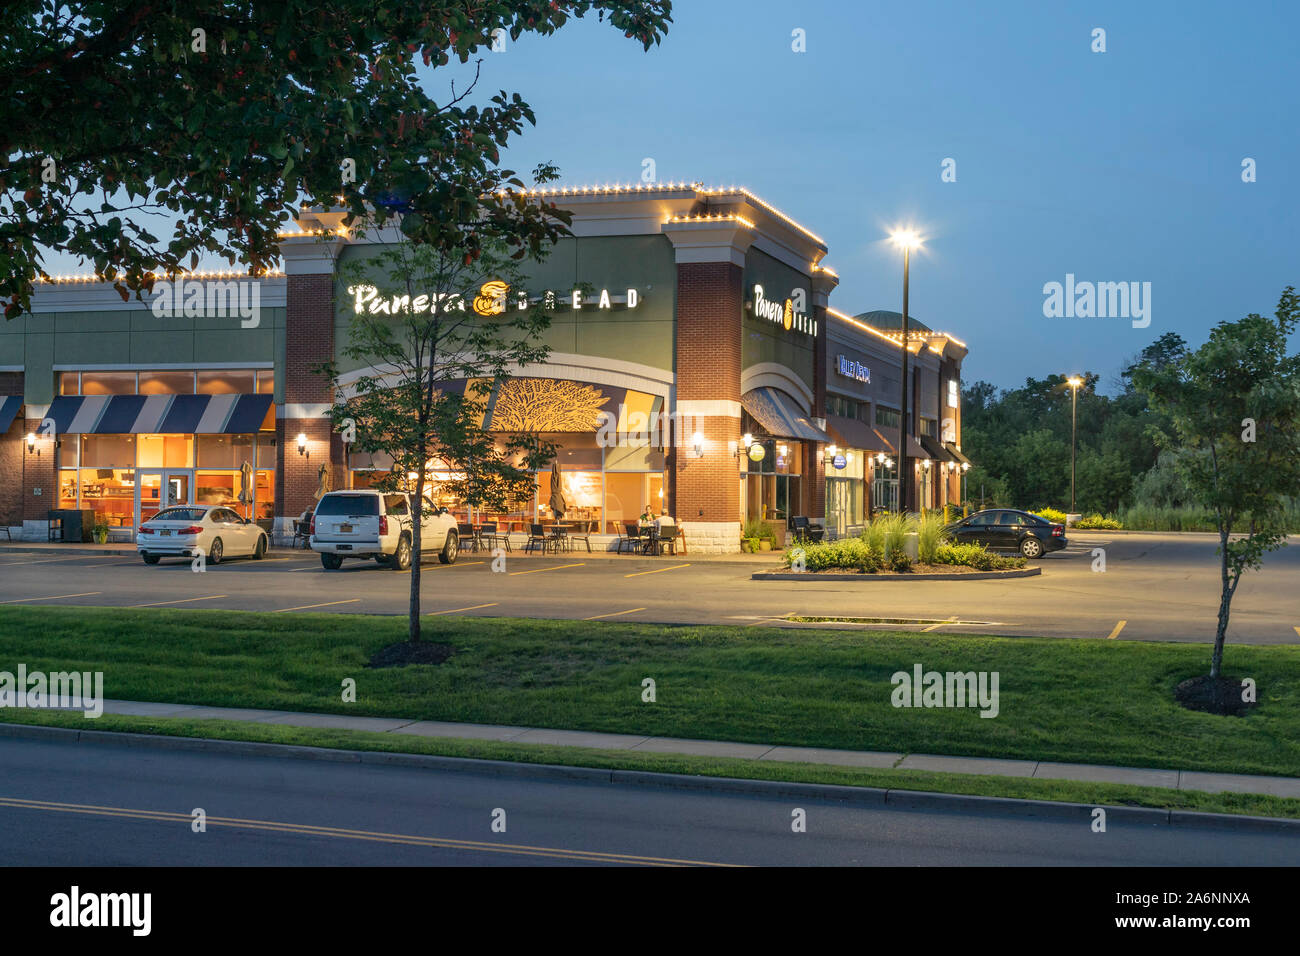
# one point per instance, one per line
(417, 527)
(1225, 604)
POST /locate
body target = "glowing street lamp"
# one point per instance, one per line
(1075, 383)
(907, 240)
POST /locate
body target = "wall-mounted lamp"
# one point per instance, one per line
(782, 450)
(302, 444)
(965, 466)
(925, 463)
(31, 444)
(697, 442)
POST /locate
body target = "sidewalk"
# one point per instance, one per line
(981, 766)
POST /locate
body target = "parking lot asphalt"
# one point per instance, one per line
(1154, 587)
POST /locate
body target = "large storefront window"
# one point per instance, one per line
(770, 486)
(845, 490)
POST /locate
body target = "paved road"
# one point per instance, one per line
(1155, 587)
(76, 805)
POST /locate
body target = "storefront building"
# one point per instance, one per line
(695, 367)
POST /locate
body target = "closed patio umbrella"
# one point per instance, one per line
(245, 484)
(323, 481)
(557, 503)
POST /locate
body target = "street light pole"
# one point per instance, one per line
(908, 240)
(902, 422)
(1074, 382)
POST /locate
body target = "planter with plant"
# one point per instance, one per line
(99, 532)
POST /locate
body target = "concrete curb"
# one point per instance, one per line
(871, 796)
(814, 576)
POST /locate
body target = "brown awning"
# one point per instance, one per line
(852, 433)
(956, 454)
(779, 414)
(934, 450)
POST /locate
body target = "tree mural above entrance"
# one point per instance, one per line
(547, 405)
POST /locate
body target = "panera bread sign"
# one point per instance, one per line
(790, 313)
(492, 298)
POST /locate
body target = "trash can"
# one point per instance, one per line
(77, 524)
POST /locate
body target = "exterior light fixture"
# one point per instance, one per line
(31, 443)
(782, 450)
(832, 450)
(748, 439)
(697, 440)
(302, 444)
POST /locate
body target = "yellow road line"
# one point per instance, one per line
(1115, 633)
(210, 597)
(937, 624)
(306, 607)
(52, 597)
(637, 574)
(558, 567)
(306, 829)
(597, 617)
(1297, 631)
(455, 609)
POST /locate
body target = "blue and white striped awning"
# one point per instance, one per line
(159, 414)
(9, 405)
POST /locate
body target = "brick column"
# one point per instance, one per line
(40, 486)
(705, 486)
(307, 396)
(12, 450)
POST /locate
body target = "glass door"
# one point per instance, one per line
(158, 488)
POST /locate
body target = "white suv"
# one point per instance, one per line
(374, 524)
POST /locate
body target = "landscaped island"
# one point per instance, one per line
(882, 548)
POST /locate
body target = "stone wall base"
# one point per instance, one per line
(712, 537)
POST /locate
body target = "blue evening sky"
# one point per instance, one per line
(1115, 166)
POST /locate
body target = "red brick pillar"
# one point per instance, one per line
(12, 449)
(704, 483)
(308, 396)
(40, 485)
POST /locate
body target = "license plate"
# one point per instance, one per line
(345, 547)
(345, 528)
(165, 533)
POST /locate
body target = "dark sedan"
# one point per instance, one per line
(1005, 530)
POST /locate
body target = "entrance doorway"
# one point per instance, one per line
(158, 488)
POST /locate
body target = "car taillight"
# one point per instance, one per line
(145, 530)
(1057, 531)
(311, 528)
(383, 524)
(192, 529)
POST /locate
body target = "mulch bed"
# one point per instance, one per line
(915, 569)
(404, 652)
(1213, 696)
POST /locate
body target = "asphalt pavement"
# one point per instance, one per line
(77, 805)
(1159, 587)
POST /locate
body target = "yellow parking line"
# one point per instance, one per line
(558, 567)
(455, 609)
(1297, 631)
(597, 617)
(210, 597)
(52, 597)
(1115, 633)
(637, 574)
(939, 624)
(307, 607)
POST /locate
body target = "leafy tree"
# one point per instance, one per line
(225, 116)
(1234, 405)
(431, 364)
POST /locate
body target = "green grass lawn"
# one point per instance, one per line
(1088, 701)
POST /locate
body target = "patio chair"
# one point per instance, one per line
(631, 537)
(560, 539)
(581, 532)
(670, 538)
(301, 532)
(54, 522)
(468, 537)
(492, 538)
(536, 538)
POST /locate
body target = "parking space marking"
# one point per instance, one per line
(558, 567)
(52, 597)
(637, 574)
(939, 624)
(210, 597)
(66, 557)
(597, 617)
(1297, 631)
(1115, 633)
(306, 607)
(456, 609)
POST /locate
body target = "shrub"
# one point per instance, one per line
(754, 528)
(1099, 522)
(874, 534)
(896, 527)
(1051, 514)
(850, 554)
(929, 536)
(975, 556)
